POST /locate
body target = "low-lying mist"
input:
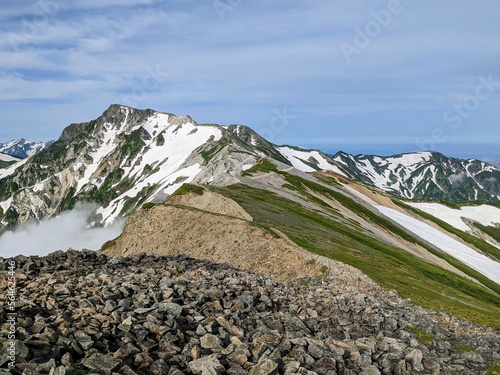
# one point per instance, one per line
(68, 230)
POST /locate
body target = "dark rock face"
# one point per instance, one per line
(82, 313)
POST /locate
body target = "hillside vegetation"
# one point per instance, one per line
(394, 268)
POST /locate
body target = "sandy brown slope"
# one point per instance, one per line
(211, 202)
(231, 237)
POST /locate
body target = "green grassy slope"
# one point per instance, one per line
(335, 237)
(490, 231)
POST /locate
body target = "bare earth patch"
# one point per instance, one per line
(181, 226)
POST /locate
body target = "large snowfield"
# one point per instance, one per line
(447, 244)
(11, 168)
(7, 158)
(484, 214)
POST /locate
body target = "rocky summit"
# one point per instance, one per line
(86, 313)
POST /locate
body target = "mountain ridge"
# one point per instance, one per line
(321, 215)
(127, 157)
(425, 175)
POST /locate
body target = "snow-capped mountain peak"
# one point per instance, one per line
(22, 148)
(122, 159)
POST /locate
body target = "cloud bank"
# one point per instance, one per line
(69, 229)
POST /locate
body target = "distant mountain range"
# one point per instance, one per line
(494, 162)
(128, 157)
(21, 148)
(425, 175)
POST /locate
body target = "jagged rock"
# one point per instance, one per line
(61, 370)
(370, 370)
(159, 367)
(126, 370)
(67, 359)
(85, 303)
(210, 341)
(431, 366)
(414, 359)
(208, 365)
(101, 362)
(290, 329)
(84, 340)
(29, 265)
(143, 310)
(22, 351)
(171, 309)
(47, 367)
(472, 357)
(126, 325)
(264, 367)
(291, 366)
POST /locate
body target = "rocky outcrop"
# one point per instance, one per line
(82, 312)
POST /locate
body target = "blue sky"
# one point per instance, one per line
(360, 76)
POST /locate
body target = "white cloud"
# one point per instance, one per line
(96, 4)
(68, 230)
(456, 178)
(263, 55)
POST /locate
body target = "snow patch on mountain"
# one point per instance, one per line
(6, 204)
(392, 173)
(484, 214)
(8, 158)
(181, 140)
(181, 144)
(411, 159)
(304, 160)
(185, 175)
(447, 244)
(11, 169)
(107, 146)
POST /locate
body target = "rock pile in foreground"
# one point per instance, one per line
(82, 313)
